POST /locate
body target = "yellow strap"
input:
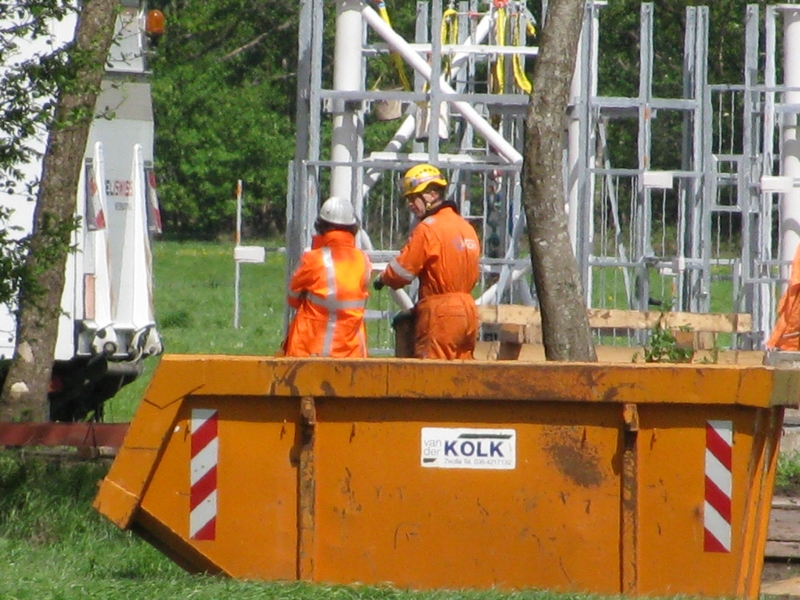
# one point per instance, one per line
(398, 60)
(450, 25)
(520, 77)
(500, 37)
(449, 33)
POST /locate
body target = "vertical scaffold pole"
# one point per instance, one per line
(790, 201)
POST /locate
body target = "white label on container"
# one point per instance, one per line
(455, 448)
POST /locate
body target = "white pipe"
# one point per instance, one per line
(402, 298)
(399, 45)
(490, 295)
(400, 139)
(406, 129)
(347, 76)
(790, 201)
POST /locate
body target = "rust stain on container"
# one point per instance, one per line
(569, 450)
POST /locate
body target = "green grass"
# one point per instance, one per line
(608, 289)
(787, 478)
(194, 300)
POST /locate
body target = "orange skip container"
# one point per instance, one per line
(636, 479)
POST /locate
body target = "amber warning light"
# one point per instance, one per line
(154, 23)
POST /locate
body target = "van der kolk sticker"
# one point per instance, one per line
(454, 448)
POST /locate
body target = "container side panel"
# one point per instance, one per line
(575, 478)
(552, 521)
(255, 485)
(693, 488)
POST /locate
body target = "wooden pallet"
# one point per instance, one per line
(606, 318)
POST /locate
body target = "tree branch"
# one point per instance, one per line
(285, 25)
(241, 49)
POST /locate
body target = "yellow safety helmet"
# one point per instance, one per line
(419, 177)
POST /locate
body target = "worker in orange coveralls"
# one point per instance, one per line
(329, 289)
(443, 251)
(786, 333)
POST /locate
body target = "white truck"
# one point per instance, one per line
(107, 325)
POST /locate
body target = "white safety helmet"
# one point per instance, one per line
(337, 211)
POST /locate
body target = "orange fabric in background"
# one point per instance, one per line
(786, 333)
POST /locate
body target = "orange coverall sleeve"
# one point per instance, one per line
(403, 269)
(302, 280)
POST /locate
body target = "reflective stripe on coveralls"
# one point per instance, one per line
(327, 260)
(400, 271)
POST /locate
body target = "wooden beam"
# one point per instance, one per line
(617, 354)
(78, 435)
(611, 318)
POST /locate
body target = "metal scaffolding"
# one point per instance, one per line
(699, 236)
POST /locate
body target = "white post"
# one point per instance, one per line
(404, 49)
(573, 145)
(237, 242)
(790, 201)
(574, 150)
(347, 76)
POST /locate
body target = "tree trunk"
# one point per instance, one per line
(24, 395)
(565, 325)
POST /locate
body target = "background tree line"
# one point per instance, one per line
(223, 92)
(224, 97)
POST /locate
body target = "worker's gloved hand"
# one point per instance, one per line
(378, 284)
(404, 316)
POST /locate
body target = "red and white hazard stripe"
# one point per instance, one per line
(718, 486)
(203, 493)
